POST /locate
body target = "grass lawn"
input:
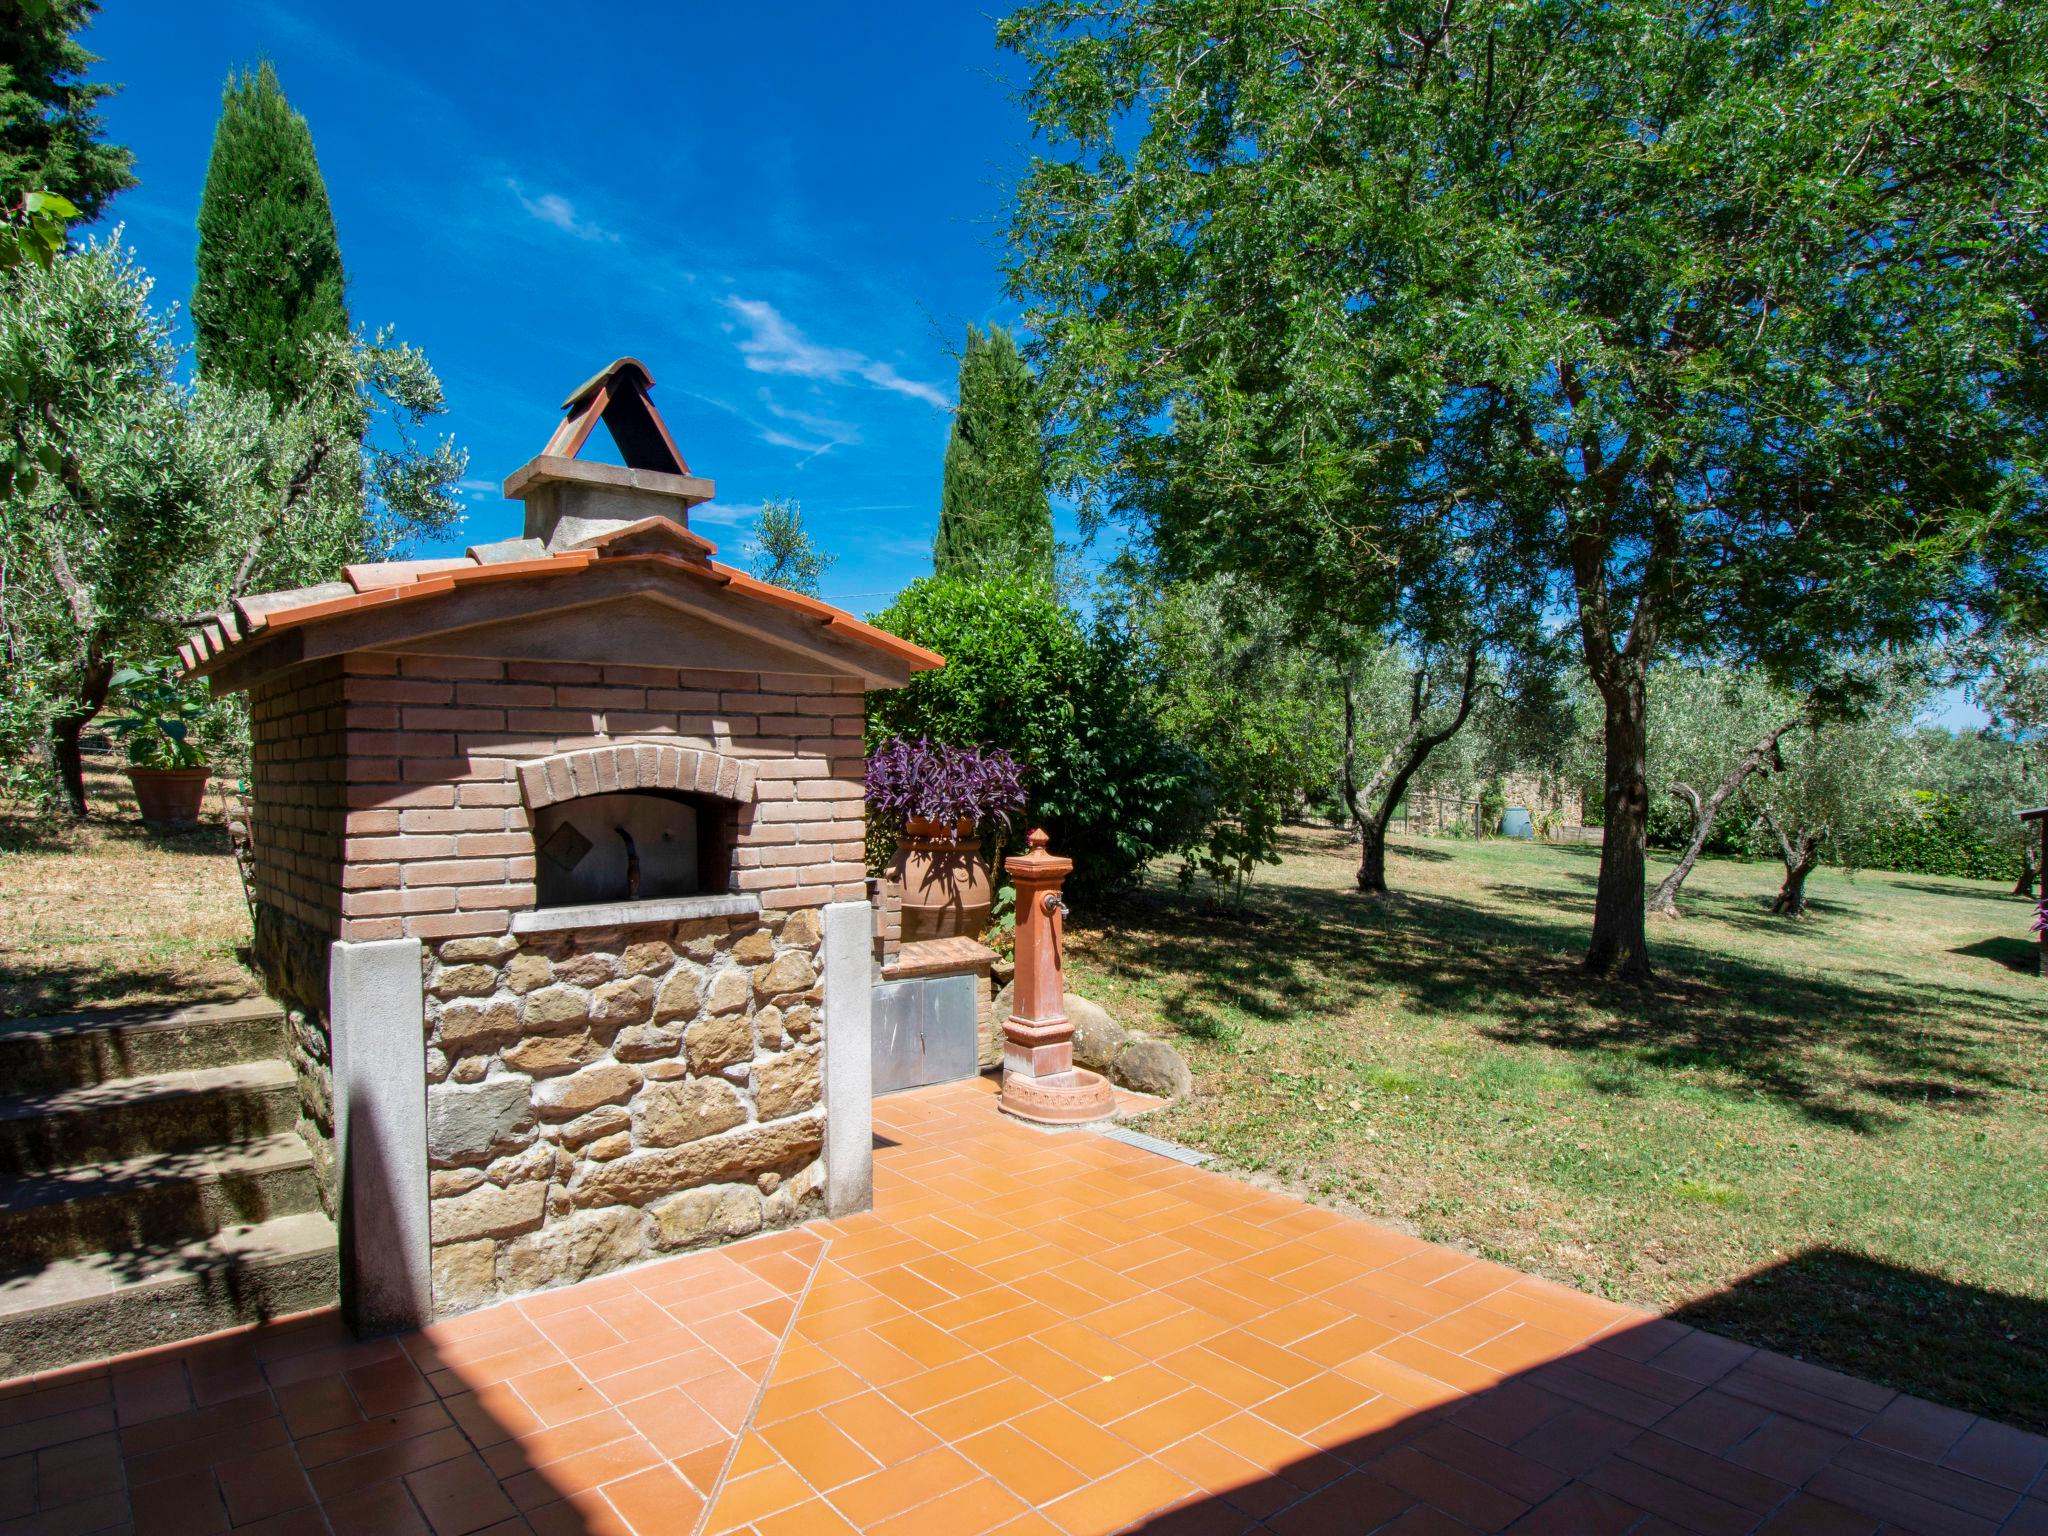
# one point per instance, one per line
(1826, 1135)
(108, 912)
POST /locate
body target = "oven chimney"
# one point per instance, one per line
(570, 503)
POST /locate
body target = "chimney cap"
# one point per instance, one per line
(619, 367)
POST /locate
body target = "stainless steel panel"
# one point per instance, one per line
(924, 1032)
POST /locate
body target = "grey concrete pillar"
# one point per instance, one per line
(849, 1058)
(377, 1013)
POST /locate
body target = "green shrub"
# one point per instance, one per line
(1070, 701)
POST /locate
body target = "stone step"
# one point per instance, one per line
(155, 1199)
(76, 1050)
(104, 1304)
(132, 1116)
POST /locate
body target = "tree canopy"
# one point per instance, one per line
(50, 129)
(994, 515)
(162, 500)
(269, 281)
(782, 551)
(1727, 318)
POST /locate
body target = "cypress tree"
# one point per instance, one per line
(49, 130)
(993, 509)
(269, 278)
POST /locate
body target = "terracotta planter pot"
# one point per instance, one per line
(947, 893)
(169, 797)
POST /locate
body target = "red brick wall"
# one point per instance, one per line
(439, 840)
(297, 775)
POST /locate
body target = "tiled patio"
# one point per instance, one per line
(1032, 1333)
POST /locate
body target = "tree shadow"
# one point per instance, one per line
(40, 986)
(2020, 955)
(1662, 1425)
(1842, 1048)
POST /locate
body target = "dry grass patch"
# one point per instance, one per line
(110, 913)
(1823, 1135)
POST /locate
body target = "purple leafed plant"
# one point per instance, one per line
(922, 781)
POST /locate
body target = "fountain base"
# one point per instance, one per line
(1073, 1097)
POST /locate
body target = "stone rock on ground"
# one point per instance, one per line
(1097, 1037)
(1152, 1066)
(1129, 1060)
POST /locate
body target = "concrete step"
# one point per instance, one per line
(133, 1116)
(105, 1304)
(158, 1198)
(75, 1050)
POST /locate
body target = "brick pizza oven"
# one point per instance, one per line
(557, 864)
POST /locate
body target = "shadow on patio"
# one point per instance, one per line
(1035, 1334)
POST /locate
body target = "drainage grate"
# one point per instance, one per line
(1146, 1143)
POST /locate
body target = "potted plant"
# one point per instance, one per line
(160, 713)
(939, 798)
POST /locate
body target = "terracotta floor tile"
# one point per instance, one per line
(902, 1487)
(656, 1502)
(675, 1423)
(819, 1452)
(459, 1496)
(815, 1518)
(1076, 1440)
(1032, 1333)
(261, 1485)
(1117, 1500)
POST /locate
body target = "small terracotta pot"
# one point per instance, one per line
(947, 893)
(170, 797)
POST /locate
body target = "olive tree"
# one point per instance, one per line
(161, 502)
(1728, 318)
(1837, 783)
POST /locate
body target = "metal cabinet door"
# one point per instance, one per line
(924, 1032)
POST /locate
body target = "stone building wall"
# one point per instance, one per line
(600, 1097)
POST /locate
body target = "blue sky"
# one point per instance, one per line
(790, 213)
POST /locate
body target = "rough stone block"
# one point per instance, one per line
(551, 1055)
(756, 948)
(681, 995)
(571, 1248)
(465, 1125)
(488, 1211)
(669, 1114)
(719, 1042)
(556, 1008)
(741, 1153)
(792, 971)
(465, 981)
(467, 1025)
(528, 973)
(702, 1215)
(589, 969)
(647, 1042)
(647, 958)
(787, 1085)
(623, 1002)
(801, 930)
(730, 991)
(465, 1274)
(563, 1098)
(599, 1122)
(495, 947)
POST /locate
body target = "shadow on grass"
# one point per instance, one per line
(43, 986)
(1842, 1048)
(2021, 955)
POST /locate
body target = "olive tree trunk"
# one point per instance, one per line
(1372, 804)
(1620, 942)
(1801, 854)
(66, 729)
(2024, 886)
(1762, 754)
